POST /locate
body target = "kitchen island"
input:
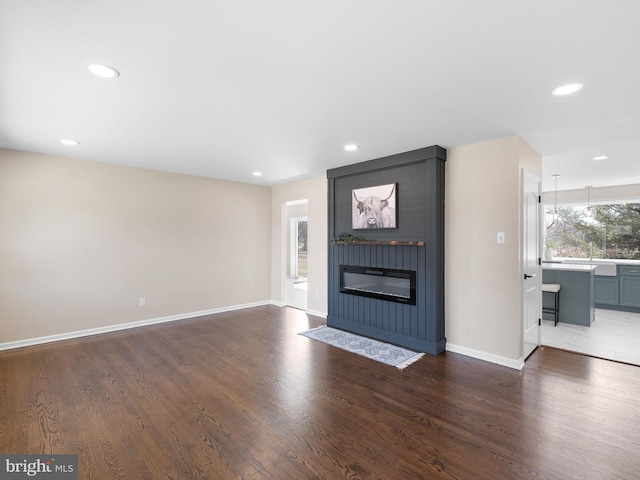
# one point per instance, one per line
(577, 294)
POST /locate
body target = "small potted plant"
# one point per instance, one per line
(348, 238)
(549, 249)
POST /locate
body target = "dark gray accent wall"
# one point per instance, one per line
(419, 176)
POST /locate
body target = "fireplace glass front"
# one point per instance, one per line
(382, 283)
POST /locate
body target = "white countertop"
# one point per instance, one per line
(572, 267)
(617, 261)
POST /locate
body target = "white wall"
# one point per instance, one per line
(81, 242)
(315, 191)
(483, 287)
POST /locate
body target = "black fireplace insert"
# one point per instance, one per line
(382, 283)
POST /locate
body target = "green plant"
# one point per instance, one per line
(348, 238)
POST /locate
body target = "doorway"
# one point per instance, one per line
(297, 264)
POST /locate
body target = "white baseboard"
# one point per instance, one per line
(487, 357)
(124, 326)
(316, 313)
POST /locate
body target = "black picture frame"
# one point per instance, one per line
(374, 207)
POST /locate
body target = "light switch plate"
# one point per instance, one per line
(500, 237)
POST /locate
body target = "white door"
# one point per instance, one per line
(531, 281)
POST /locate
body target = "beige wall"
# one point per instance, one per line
(315, 191)
(482, 278)
(81, 242)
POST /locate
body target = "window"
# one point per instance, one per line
(607, 231)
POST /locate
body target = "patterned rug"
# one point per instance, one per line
(367, 347)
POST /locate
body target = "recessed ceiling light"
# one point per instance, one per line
(601, 157)
(567, 89)
(351, 147)
(68, 141)
(103, 71)
(257, 174)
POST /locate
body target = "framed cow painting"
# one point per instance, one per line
(374, 207)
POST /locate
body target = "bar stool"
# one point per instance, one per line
(553, 288)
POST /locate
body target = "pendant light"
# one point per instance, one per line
(588, 213)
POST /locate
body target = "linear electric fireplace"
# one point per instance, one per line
(383, 283)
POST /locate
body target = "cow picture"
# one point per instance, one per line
(374, 207)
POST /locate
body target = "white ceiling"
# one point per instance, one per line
(224, 88)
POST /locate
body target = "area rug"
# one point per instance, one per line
(367, 347)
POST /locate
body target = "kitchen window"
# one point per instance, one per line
(601, 231)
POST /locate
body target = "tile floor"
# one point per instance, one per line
(613, 335)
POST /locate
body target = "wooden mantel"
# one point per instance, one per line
(380, 242)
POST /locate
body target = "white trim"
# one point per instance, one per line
(124, 326)
(317, 313)
(487, 357)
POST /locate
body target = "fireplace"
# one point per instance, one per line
(389, 284)
(382, 283)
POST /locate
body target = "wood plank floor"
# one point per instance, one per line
(241, 395)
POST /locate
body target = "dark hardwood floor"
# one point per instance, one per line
(241, 395)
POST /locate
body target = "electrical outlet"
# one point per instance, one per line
(142, 302)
